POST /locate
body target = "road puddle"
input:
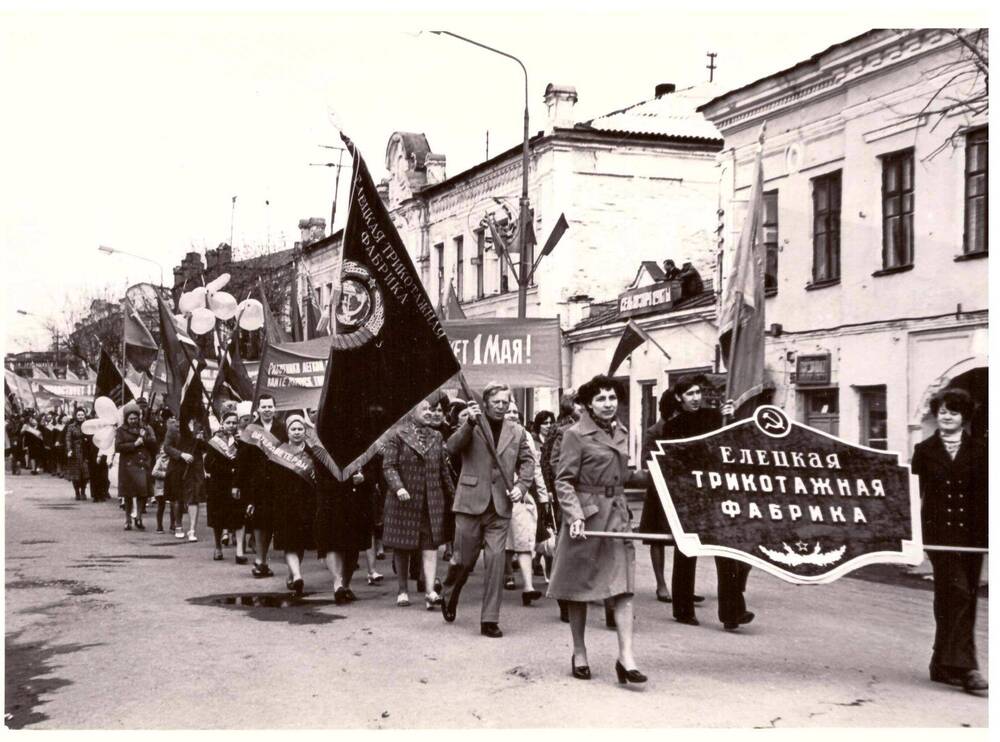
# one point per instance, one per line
(283, 607)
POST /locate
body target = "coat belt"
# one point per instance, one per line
(610, 490)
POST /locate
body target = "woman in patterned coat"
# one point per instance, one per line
(419, 491)
(76, 460)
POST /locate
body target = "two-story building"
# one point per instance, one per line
(640, 183)
(875, 172)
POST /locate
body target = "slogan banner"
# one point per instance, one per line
(519, 352)
(300, 463)
(293, 373)
(67, 389)
(796, 502)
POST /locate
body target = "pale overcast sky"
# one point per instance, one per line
(135, 131)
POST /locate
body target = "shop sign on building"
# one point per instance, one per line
(647, 299)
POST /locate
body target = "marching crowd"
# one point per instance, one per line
(434, 489)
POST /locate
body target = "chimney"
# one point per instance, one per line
(312, 229)
(560, 101)
(435, 168)
(665, 88)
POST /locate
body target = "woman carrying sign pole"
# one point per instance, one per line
(590, 484)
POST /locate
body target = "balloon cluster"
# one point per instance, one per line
(103, 427)
(204, 304)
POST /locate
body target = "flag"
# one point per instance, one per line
(313, 315)
(110, 382)
(742, 311)
(135, 379)
(632, 338)
(192, 396)
(295, 314)
(180, 354)
(232, 383)
(451, 309)
(273, 332)
(389, 350)
(21, 388)
(37, 372)
(71, 375)
(140, 347)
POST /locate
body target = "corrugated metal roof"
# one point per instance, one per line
(673, 115)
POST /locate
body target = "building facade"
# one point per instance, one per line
(636, 184)
(875, 172)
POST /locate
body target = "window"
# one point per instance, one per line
(439, 250)
(650, 409)
(771, 242)
(897, 210)
(976, 192)
(459, 268)
(874, 421)
(826, 228)
(822, 409)
(480, 267)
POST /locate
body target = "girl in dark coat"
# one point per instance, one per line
(77, 470)
(954, 471)
(136, 446)
(225, 510)
(419, 491)
(294, 516)
(186, 472)
(343, 522)
(31, 435)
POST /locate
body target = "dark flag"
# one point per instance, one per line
(273, 331)
(295, 314)
(313, 319)
(232, 384)
(140, 347)
(389, 349)
(179, 354)
(192, 394)
(632, 338)
(743, 300)
(110, 382)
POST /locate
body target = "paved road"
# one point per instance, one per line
(108, 629)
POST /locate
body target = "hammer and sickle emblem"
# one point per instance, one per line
(772, 421)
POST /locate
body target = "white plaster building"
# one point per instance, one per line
(877, 223)
(636, 184)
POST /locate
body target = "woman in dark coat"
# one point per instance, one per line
(135, 444)
(185, 481)
(31, 435)
(225, 510)
(419, 492)
(77, 470)
(954, 471)
(590, 483)
(295, 514)
(344, 523)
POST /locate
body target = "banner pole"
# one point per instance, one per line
(665, 538)
(485, 429)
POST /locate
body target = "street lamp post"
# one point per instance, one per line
(114, 250)
(524, 261)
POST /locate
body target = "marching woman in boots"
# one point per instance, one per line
(953, 468)
(294, 516)
(590, 483)
(135, 445)
(224, 506)
(76, 460)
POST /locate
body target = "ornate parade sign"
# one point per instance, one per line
(791, 500)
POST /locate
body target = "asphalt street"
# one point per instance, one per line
(107, 629)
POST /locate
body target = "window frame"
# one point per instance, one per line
(895, 163)
(865, 395)
(770, 246)
(983, 132)
(829, 218)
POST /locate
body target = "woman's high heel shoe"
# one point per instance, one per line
(580, 673)
(628, 676)
(530, 595)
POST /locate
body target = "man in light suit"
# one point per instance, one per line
(483, 503)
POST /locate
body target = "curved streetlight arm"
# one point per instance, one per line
(113, 250)
(495, 51)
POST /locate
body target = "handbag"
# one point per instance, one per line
(160, 465)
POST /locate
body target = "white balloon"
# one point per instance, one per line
(104, 438)
(192, 300)
(106, 409)
(93, 426)
(222, 304)
(202, 321)
(216, 284)
(251, 313)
